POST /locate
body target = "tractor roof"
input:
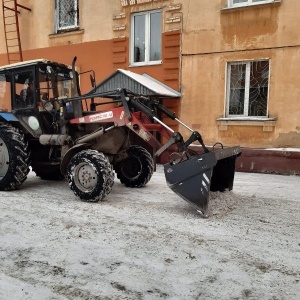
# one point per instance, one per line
(30, 63)
(24, 63)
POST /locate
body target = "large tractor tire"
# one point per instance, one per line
(136, 169)
(90, 175)
(47, 171)
(110, 181)
(14, 158)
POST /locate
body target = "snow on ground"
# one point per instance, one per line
(148, 243)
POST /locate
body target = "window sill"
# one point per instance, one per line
(66, 38)
(143, 64)
(66, 33)
(229, 8)
(267, 124)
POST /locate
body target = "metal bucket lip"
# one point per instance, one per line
(226, 152)
(202, 210)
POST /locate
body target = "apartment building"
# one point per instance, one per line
(235, 62)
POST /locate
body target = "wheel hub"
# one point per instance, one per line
(4, 158)
(85, 177)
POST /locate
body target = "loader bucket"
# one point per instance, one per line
(223, 173)
(194, 178)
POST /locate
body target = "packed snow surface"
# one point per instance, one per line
(148, 243)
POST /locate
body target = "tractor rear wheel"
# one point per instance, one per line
(14, 158)
(136, 169)
(90, 175)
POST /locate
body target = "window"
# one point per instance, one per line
(146, 30)
(5, 92)
(66, 14)
(247, 89)
(233, 3)
(24, 89)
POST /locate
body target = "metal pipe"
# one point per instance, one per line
(163, 124)
(187, 127)
(54, 139)
(91, 136)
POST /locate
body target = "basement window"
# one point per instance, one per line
(146, 36)
(66, 15)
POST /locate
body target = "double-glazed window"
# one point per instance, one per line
(247, 89)
(233, 3)
(146, 35)
(66, 14)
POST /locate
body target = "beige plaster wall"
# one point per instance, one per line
(210, 26)
(215, 36)
(37, 25)
(211, 36)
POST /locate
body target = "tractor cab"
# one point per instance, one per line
(30, 92)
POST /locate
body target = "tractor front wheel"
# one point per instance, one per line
(90, 175)
(14, 158)
(136, 169)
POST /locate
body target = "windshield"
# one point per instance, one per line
(55, 82)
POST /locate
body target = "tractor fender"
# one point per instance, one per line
(4, 116)
(69, 154)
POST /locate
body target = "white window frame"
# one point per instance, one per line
(248, 3)
(70, 27)
(147, 40)
(247, 87)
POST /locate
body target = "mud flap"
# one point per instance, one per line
(193, 179)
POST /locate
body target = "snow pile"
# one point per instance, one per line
(221, 203)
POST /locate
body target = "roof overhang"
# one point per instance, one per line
(136, 83)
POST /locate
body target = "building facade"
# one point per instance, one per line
(235, 62)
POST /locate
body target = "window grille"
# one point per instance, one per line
(248, 87)
(66, 14)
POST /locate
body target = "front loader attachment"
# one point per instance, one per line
(191, 175)
(193, 178)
